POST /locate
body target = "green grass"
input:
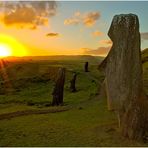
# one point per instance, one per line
(87, 123)
(92, 125)
(41, 92)
(144, 54)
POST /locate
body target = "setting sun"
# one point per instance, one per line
(5, 50)
(11, 47)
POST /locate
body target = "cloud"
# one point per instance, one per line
(87, 19)
(72, 21)
(102, 51)
(30, 14)
(105, 42)
(91, 18)
(52, 34)
(77, 14)
(97, 33)
(144, 36)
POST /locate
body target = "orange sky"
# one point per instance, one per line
(62, 28)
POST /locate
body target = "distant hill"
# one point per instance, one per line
(55, 58)
(144, 55)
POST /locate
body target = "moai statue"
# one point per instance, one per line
(59, 88)
(86, 67)
(123, 72)
(73, 83)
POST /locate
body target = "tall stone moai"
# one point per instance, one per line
(86, 67)
(123, 76)
(59, 88)
(73, 83)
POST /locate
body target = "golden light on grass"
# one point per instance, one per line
(9, 46)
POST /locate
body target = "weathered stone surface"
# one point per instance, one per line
(123, 71)
(59, 88)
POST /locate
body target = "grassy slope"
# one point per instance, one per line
(91, 126)
(88, 123)
(40, 92)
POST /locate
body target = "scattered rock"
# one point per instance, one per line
(80, 108)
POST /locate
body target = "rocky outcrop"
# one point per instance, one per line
(123, 71)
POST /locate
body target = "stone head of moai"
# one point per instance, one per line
(124, 26)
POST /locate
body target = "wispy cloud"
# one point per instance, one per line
(105, 42)
(97, 33)
(72, 21)
(52, 34)
(87, 19)
(144, 36)
(30, 14)
(91, 18)
(102, 51)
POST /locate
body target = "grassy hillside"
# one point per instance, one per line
(32, 80)
(85, 121)
(144, 55)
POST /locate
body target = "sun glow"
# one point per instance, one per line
(11, 47)
(5, 50)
